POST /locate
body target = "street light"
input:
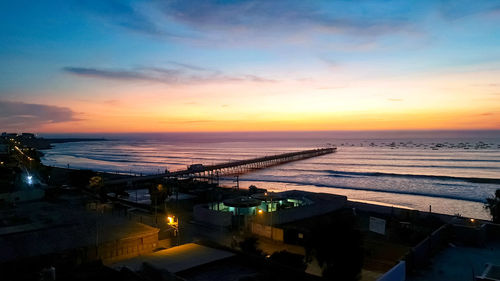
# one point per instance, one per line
(174, 223)
(170, 220)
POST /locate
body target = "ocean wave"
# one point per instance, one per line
(403, 165)
(432, 177)
(129, 158)
(350, 174)
(384, 158)
(427, 194)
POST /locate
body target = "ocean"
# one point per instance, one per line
(449, 172)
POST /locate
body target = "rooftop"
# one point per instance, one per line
(39, 228)
(177, 258)
(460, 263)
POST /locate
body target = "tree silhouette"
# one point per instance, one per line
(493, 205)
(250, 246)
(80, 178)
(159, 193)
(289, 259)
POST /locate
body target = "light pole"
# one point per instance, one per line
(173, 222)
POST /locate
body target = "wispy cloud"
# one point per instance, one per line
(458, 9)
(189, 66)
(487, 114)
(257, 17)
(113, 74)
(265, 15)
(112, 102)
(20, 115)
(191, 75)
(121, 13)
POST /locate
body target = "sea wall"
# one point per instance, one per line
(396, 211)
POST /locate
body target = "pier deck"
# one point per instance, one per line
(231, 168)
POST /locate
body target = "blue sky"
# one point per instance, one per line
(80, 55)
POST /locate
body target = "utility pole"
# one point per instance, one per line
(237, 182)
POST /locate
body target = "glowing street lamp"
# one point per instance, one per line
(174, 223)
(170, 220)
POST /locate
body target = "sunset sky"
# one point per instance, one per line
(158, 66)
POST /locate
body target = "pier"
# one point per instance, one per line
(232, 168)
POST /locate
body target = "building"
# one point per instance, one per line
(268, 208)
(9, 135)
(28, 135)
(65, 233)
(4, 148)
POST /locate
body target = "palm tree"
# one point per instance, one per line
(493, 204)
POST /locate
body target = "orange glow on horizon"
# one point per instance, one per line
(433, 102)
(310, 122)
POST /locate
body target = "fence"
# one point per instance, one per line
(397, 273)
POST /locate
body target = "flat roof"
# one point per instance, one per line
(176, 259)
(242, 202)
(268, 196)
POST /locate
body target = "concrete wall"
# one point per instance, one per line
(125, 248)
(397, 273)
(273, 233)
(396, 211)
(420, 255)
(204, 215)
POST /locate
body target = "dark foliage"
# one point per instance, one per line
(250, 246)
(493, 205)
(289, 259)
(337, 245)
(80, 178)
(159, 193)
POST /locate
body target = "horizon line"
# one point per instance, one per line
(267, 131)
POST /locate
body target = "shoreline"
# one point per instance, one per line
(45, 144)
